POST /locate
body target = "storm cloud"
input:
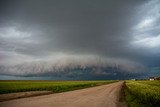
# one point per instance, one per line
(46, 36)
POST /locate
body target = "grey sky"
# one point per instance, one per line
(51, 30)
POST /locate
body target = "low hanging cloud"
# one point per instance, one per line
(66, 65)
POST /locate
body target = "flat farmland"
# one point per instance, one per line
(143, 93)
(54, 86)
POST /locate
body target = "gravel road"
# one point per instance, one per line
(101, 96)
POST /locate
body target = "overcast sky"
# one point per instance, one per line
(47, 33)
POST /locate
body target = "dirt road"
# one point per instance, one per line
(100, 96)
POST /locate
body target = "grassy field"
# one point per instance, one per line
(143, 93)
(54, 86)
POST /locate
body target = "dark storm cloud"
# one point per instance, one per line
(39, 30)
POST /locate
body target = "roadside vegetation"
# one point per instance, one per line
(54, 86)
(143, 93)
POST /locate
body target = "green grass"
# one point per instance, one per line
(143, 93)
(54, 86)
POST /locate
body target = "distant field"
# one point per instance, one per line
(143, 93)
(54, 86)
